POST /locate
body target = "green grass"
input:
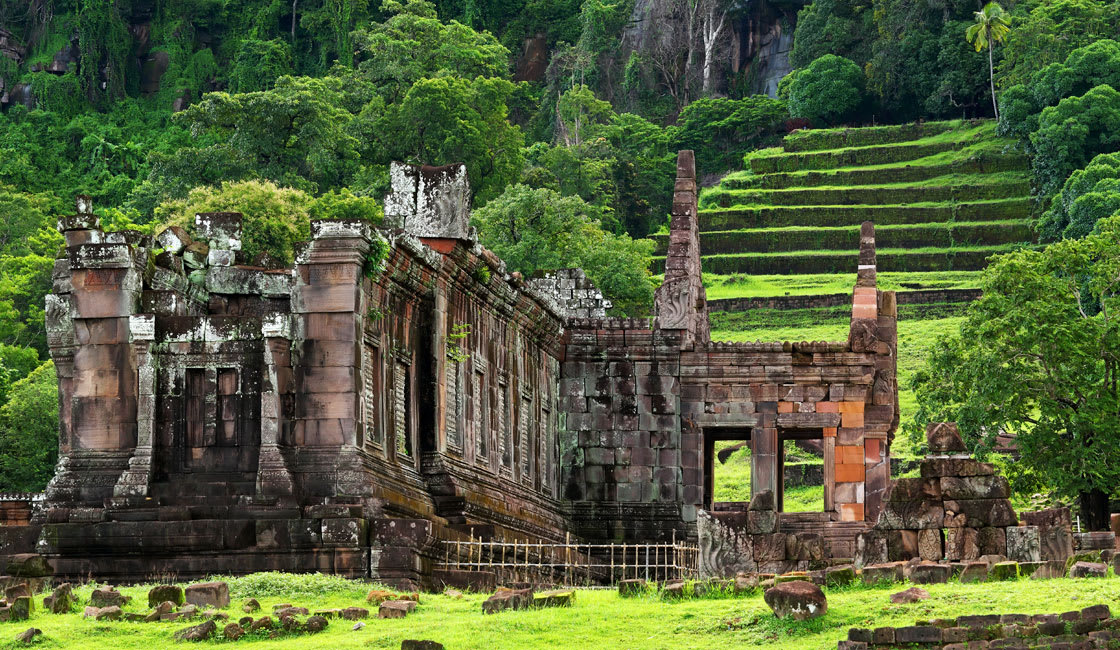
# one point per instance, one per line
(742, 285)
(598, 619)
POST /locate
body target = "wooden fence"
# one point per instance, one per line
(573, 563)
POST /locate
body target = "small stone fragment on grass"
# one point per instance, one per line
(378, 596)
(453, 593)
(291, 611)
(316, 624)
(108, 597)
(799, 600)
(556, 598)
(502, 600)
(251, 606)
(233, 632)
(911, 595)
(262, 623)
(357, 626)
(28, 636)
(412, 644)
(199, 632)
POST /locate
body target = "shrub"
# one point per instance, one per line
(719, 130)
(29, 431)
(1072, 132)
(259, 64)
(830, 90)
(1089, 195)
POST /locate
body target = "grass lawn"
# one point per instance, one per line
(598, 619)
(742, 285)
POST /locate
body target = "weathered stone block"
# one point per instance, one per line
(875, 574)
(1023, 544)
(980, 513)
(913, 489)
(162, 593)
(975, 487)
(962, 544)
(938, 467)
(799, 600)
(911, 515)
(925, 574)
(944, 438)
(208, 594)
(1088, 570)
(929, 544)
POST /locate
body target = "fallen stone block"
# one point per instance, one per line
(21, 608)
(199, 632)
(251, 606)
(556, 598)
(838, 576)
(799, 600)
(944, 438)
(161, 610)
(917, 634)
(208, 594)
(631, 587)
(908, 596)
(877, 573)
(1023, 544)
(316, 624)
(262, 623)
(161, 593)
(927, 574)
(745, 584)
(354, 613)
(28, 636)
(974, 572)
(378, 596)
(111, 613)
(673, 589)
(402, 608)
(108, 597)
(1004, 571)
(61, 600)
(233, 631)
(1088, 570)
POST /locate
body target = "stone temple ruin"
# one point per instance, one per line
(221, 416)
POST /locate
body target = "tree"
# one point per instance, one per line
(1038, 356)
(1089, 195)
(29, 432)
(992, 26)
(842, 27)
(295, 133)
(538, 229)
(449, 119)
(720, 130)
(1049, 32)
(1072, 133)
(274, 219)
(829, 91)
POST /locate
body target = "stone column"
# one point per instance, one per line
(328, 311)
(134, 481)
(273, 477)
(100, 430)
(681, 301)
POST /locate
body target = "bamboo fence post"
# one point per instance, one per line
(470, 553)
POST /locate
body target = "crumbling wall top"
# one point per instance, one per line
(428, 201)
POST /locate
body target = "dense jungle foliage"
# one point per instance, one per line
(289, 110)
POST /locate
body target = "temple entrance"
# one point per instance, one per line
(727, 467)
(801, 474)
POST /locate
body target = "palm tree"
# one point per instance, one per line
(992, 26)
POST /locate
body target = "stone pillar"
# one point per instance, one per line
(681, 302)
(273, 477)
(874, 332)
(100, 430)
(764, 460)
(329, 312)
(134, 481)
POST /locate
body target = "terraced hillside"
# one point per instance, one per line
(943, 197)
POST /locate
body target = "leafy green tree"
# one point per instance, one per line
(538, 229)
(295, 134)
(1072, 133)
(413, 44)
(721, 130)
(1089, 195)
(15, 363)
(259, 64)
(447, 120)
(842, 27)
(1038, 356)
(29, 431)
(1048, 31)
(830, 90)
(991, 27)
(24, 214)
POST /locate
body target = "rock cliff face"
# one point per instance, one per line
(751, 56)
